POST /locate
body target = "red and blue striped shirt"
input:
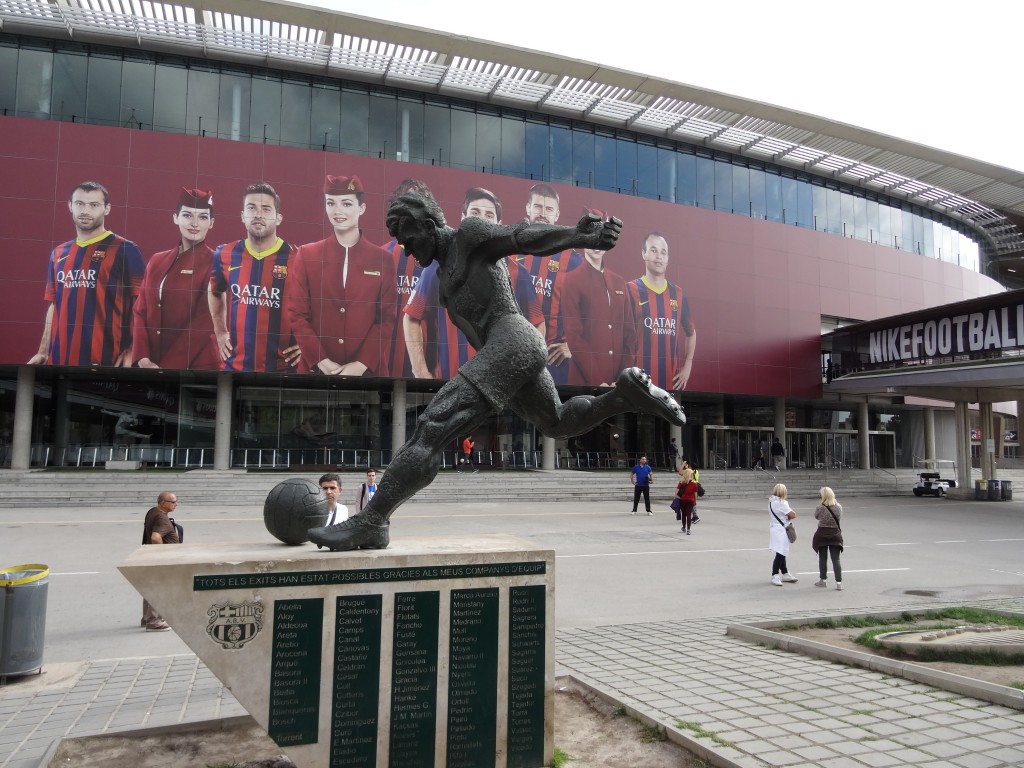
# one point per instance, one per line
(445, 347)
(258, 325)
(546, 274)
(93, 286)
(663, 324)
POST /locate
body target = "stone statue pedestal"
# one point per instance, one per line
(433, 652)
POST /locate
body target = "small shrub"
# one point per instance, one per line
(561, 758)
(652, 733)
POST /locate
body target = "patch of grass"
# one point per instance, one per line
(698, 730)
(652, 733)
(1018, 686)
(561, 758)
(947, 618)
(979, 657)
(618, 711)
(976, 616)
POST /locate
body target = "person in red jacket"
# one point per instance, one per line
(172, 327)
(467, 453)
(341, 293)
(687, 493)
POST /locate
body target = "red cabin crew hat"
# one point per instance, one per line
(195, 198)
(595, 211)
(342, 185)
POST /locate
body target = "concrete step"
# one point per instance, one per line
(90, 488)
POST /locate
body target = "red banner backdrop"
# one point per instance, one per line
(744, 297)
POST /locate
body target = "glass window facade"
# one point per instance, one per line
(107, 86)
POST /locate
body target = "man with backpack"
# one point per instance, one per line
(159, 528)
(778, 454)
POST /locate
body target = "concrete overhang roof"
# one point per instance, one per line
(982, 381)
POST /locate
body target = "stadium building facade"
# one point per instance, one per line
(749, 232)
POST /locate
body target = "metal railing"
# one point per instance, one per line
(282, 458)
(893, 475)
(91, 455)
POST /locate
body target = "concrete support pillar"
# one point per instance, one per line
(929, 436)
(398, 406)
(1020, 423)
(61, 413)
(779, 432)
(222, 435)
(963, 446)
(549, 454)
(863, 438)
(674, 430)
(373, 411)
(999, 428)
(988, 458)
(21, 440)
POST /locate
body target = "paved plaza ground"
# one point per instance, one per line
(641, 617)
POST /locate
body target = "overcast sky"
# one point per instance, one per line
(937, 73)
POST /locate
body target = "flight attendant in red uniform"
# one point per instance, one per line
(172, 324)
(600, 334)
(341, 292)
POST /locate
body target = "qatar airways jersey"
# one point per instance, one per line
(445, 346)
(663, 324)
(527, 298)
(546, 274)
(93, 286)
(408, 275)
(256, 320)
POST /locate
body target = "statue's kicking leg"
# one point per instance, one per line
(538, 402)
(456, 410)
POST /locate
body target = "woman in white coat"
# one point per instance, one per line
(779, 515)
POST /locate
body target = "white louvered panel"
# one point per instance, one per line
(615, 109)
(467, 80)
(359, 61)
(415, 72)
(89, 18)
(567, 99)
(521, 90)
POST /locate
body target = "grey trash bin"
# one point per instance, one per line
(980, 490)
(1007, 490)
(994, 490)
(22, 618)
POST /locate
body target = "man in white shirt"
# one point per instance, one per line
(330, 484)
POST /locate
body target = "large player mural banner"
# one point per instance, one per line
(178, 252)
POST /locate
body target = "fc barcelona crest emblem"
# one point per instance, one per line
(99, 255)
(232, 625)
(673, 304)
(280, 271)
(553, 266)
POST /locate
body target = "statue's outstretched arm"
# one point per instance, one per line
(548, 239)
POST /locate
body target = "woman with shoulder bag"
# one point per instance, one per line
(779, 516)
(687, 493)
(696, 479)
(828, 539)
